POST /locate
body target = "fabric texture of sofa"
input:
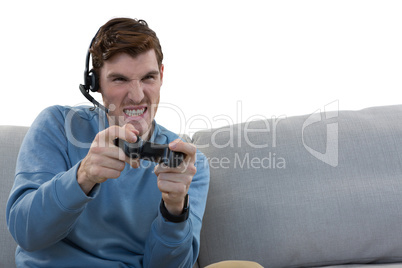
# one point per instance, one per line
(323, 189)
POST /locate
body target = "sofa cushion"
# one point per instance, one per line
(319, 189)
(10, 141)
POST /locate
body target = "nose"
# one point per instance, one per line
(136, 91)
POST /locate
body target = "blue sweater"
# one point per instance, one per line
(118, 225)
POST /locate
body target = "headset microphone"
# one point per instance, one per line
(85, 92)
(91, 81)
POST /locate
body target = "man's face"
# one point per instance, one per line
(130, 88)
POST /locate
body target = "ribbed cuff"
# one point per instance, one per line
(69, 193)
(172, 232)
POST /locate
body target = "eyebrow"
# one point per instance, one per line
(114, 75)
(153, 72)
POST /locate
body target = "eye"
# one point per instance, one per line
(149, 77)
(119, 79)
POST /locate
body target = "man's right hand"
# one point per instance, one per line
(105, 160)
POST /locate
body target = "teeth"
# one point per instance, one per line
(134, 112)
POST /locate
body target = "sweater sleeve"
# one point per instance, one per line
(177, 244)
(45, 200)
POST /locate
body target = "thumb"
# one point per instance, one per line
(130, 132)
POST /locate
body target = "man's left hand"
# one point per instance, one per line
(175, 182)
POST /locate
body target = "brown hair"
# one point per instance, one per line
(124, 35)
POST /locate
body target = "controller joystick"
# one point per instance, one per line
(159, 153)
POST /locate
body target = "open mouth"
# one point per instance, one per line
(135, 112)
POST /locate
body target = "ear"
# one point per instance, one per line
(98, 83)
(161, 73)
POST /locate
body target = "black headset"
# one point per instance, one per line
(91, 81)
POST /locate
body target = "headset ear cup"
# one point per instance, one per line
(94, 82)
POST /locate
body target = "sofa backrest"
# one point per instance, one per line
(310, 190)
(10, 141)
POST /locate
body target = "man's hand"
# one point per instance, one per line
(105, 160)
(175, 182)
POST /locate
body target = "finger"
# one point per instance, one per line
(134, 162)
(109, 152)
(129, 130)
(108, 158)
(172, 192)
(113, 163)
(175, 178)
(103, 173)
(100, 167)
(187, 148)
(174, 188)
(127, 133)
(173, 197)
(186, 167)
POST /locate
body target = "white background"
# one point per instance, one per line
(225, 61)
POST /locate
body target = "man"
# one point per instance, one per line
(79, 201)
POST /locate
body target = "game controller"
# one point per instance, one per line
(159, 153)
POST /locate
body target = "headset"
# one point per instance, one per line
(91, 81)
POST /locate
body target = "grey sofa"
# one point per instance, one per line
(302, 191)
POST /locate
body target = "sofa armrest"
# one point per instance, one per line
(10, 141)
